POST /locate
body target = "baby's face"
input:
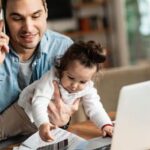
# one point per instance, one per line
(76, 76)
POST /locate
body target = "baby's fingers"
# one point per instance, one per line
(48, 137)
(110, 132)
(107, 132)
(104, 133)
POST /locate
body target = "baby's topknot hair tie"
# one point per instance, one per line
(94, 52)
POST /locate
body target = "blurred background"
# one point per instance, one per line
(121, 26)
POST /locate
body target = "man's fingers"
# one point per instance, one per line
(57, 95)
(1, 25)
(52, 110)
(4, 40)
(4, 48)
(56, 89)
(75, 105)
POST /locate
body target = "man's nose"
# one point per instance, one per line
(28, 25)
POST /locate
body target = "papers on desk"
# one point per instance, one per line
(34, 141)
(74, 142)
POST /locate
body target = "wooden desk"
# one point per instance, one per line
(84, 129)
(87, 129)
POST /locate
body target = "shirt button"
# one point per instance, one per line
(34, 64)
(15, 59)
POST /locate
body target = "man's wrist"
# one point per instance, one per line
(67, 125)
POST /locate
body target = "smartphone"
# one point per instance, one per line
(2, 18)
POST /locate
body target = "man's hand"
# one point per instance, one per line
(4, 40)
(60, 112)
(44, 132)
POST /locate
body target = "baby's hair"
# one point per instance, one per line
(89, 54)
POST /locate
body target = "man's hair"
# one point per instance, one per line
(4, 4)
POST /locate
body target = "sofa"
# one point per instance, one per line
(109, 82)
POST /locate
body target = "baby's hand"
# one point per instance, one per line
(107, 130)
(44, 132)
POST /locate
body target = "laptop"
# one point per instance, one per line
(132, 125)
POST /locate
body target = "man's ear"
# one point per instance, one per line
(46, 10)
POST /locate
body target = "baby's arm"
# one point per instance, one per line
(96, 112)
(40, 101)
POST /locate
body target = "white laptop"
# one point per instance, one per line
(132, 125)
(132, 128)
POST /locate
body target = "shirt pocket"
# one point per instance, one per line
(2, 77)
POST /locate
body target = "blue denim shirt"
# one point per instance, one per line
(52, 44)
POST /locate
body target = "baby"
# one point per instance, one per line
(73, 72)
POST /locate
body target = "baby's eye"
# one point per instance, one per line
(83, 82)
(71, 78)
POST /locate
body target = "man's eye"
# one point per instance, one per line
(36, 16)
(17, 18)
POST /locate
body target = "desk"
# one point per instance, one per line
(84, 129)
(87, 129)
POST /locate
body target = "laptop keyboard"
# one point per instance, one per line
(106, 147)
(62, 145)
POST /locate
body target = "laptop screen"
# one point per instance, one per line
(132, 127)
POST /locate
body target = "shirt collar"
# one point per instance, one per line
(43, 46)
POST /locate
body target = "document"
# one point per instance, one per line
(35, 142)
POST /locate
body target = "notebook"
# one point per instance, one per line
(132, 125)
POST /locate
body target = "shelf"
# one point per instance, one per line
(75, 34)
(88, 4)
(92, 21)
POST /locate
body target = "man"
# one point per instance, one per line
(26, 53)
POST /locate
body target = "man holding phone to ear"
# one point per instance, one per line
(3, 44)
(27, 51)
